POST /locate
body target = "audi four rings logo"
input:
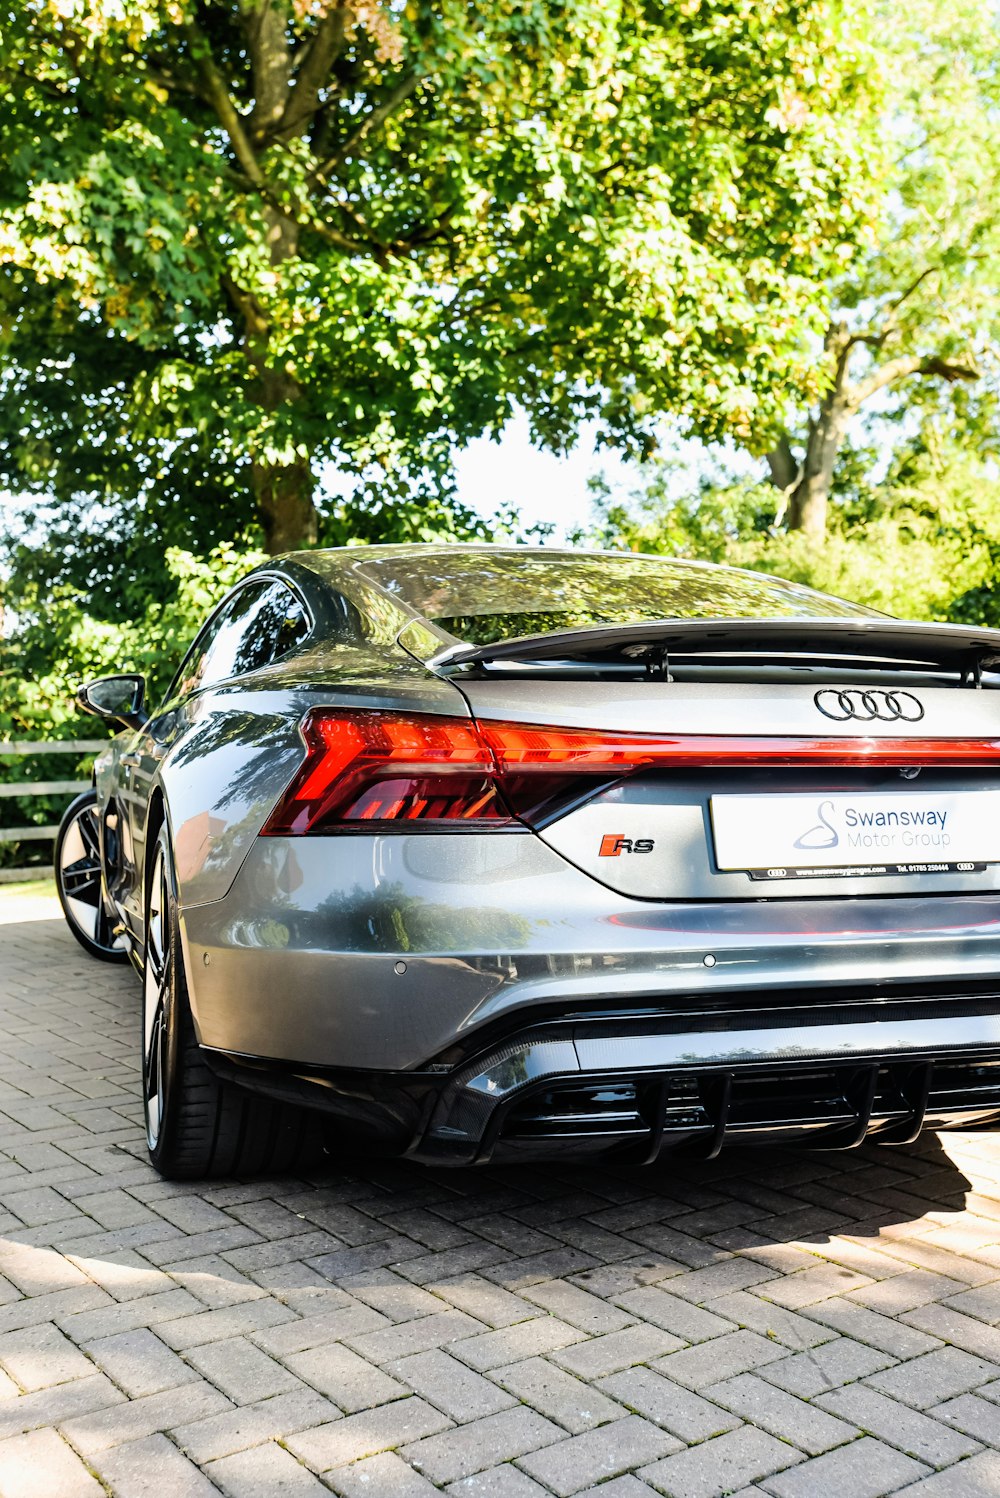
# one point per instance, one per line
(868, 706)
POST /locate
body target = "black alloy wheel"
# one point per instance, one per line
(79, 884)
(157, 997)
(198, 1126)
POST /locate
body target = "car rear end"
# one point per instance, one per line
(698, 879)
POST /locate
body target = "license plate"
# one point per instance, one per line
(915, 832)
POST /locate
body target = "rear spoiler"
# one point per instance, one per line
(882, 642)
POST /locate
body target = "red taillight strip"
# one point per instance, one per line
(521, 747)
(370, 769)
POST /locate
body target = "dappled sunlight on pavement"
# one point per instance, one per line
(790, 1323)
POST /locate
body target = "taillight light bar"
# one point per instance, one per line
(522, 746)
(374, 769)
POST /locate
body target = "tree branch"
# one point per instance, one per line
(217, 95)
(343, 241)
(905, 365)
(889, 325)
(951, 370)
(324, 49)
(371, 121)
(164, 78)
(254, 321)
(270, 64)
(914, 285)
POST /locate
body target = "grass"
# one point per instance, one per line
(45, 885)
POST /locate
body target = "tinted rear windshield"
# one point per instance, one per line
(481, 597)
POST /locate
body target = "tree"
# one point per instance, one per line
(922, 542)
(914, 319)
(251, 247)
(57, 644)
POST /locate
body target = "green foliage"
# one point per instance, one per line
(922, 544)
(672, 516)
(247, 240)
(258, 253)
(57, 644)
(914, 327)
(927, 284)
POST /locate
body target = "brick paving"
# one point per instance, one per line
(772, 1322)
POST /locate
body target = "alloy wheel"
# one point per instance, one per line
(79, 874)
(155, 997)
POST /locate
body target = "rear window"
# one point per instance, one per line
(482, 597)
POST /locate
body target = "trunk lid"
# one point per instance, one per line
(752, 830)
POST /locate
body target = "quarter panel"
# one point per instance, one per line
(241, 745)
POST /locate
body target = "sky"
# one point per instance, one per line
(544, 487)
(549, 488)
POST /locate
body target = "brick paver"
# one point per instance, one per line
(778, 1322)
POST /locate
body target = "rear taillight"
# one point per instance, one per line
(365, 769)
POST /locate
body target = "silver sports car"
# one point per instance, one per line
(495, 853)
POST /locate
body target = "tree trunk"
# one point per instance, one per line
(287, 91)
(783, 466)
(807, 488)
(283, 491)
(285, 504)
(809, 500)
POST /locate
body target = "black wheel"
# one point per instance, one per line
(78, 881)
(196, 1125)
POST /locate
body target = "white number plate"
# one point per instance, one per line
(856, 831)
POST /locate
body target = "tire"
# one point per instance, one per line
(78, 873)
(198, 1126)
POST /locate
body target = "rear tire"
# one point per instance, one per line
(196, 1125)
(79, 884)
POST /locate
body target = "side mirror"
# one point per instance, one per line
(115, 699)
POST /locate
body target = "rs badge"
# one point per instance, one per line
(613, 844)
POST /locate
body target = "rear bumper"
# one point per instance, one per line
(633, 1089)
(390, 954)
(465, 999)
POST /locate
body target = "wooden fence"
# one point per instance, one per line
(35, 834)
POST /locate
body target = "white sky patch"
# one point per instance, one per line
(552, 490)
(544, 487)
